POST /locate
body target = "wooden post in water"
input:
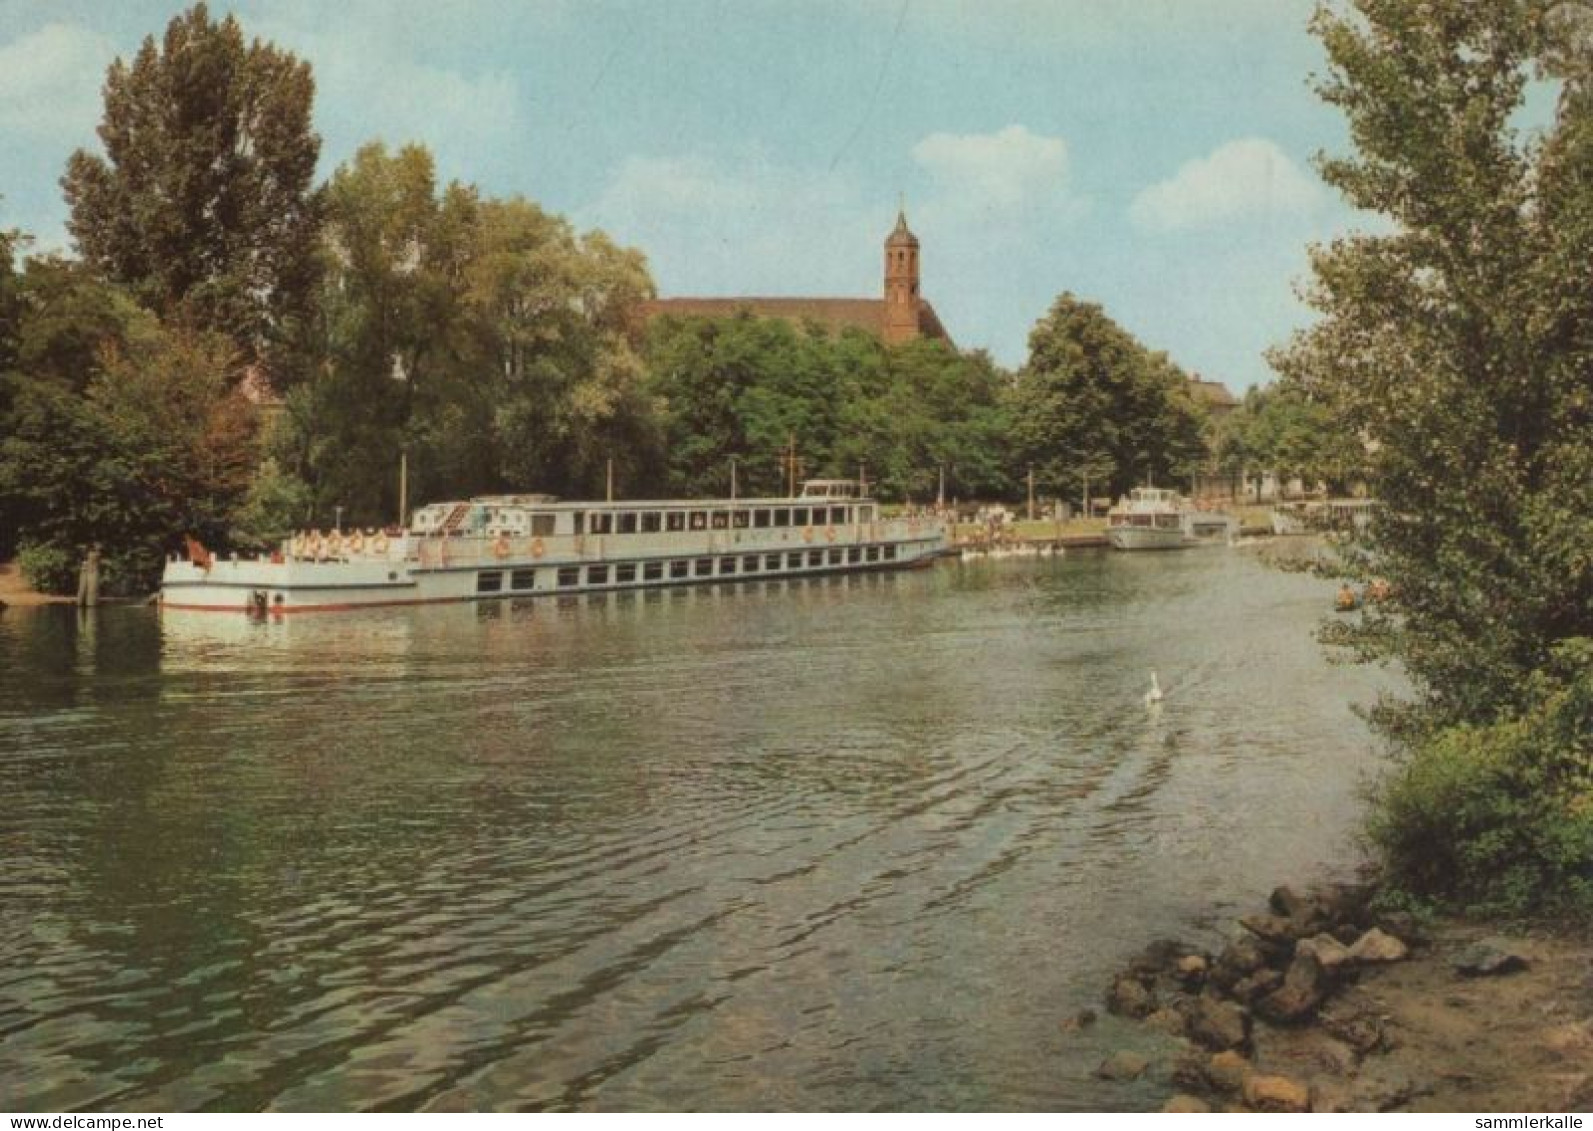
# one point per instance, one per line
(88, 579)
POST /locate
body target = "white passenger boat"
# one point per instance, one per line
(501, 546)
(1156, 518)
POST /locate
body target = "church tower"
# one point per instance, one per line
(901, 283)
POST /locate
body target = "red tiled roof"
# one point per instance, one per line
(834, 314)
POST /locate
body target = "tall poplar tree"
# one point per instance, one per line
(202, 203)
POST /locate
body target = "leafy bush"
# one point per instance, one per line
(1498, 818)
(49, 568)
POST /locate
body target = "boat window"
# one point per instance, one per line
(580, 522)
(771, 561)
(854, 554)
(719, 520)
(865, 514)
(815, 557)
(836, 554)
(625, 574)
(569, 576)
(680, 568)
(890, 553)
(602, 523)
(782, 516)
(489, 581)
(760, 517)
(541, 525)
(627, 522)
(699, 520)
(799, 516)
(652, 522)
(705, 567)
(523, 579)
(741, 519)
(597, 575)
(727, 565)
(793, 561)
(652, 571)
(837, 516)
(674, 520)
(873, 553)
(750, 563)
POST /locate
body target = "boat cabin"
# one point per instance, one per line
(824, 503)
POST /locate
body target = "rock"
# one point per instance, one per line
(1189, 1072)
(1239, 960)
(1276, 1093)
(1291, 904)
(1226, 1071)
(1160, 957)
(1362, 1032)
(1303, 989)
(1129, 997)
(1378, 946)
(1167, 1020)
(1083, 1019)
(1258, 985)
(1122, 1066)
(1191, 969)
(1327, 950)
(1274, 929)
(1218, 1024)
(1186, 1104)
(1405, 927)
(1489, 958)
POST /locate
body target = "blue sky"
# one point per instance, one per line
(1151, 155)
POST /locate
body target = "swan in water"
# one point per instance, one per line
(1154, 695)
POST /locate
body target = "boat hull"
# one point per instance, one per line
(1146, 538)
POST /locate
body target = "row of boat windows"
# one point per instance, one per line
(681, 569)
(740, 518)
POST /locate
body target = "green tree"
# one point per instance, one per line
(1279, 429)
(202, 204)
(1461, 345)
(158, 444)
(1093, 404)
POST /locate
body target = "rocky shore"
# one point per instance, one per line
(1319, 1003)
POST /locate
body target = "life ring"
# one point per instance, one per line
(356, 542)
(334, 544)
(379, 543)
(829, 533)
(500, 547)
(537, 548)
(807, 534)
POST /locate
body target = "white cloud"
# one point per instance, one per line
(50, 81)
(1245, 179)
(1010, 168)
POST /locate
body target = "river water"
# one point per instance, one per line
(840, 843)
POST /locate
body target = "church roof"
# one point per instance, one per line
(901, 235)
(834, 314)
(1213, 394)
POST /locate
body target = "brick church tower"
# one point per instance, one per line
(901, 284)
